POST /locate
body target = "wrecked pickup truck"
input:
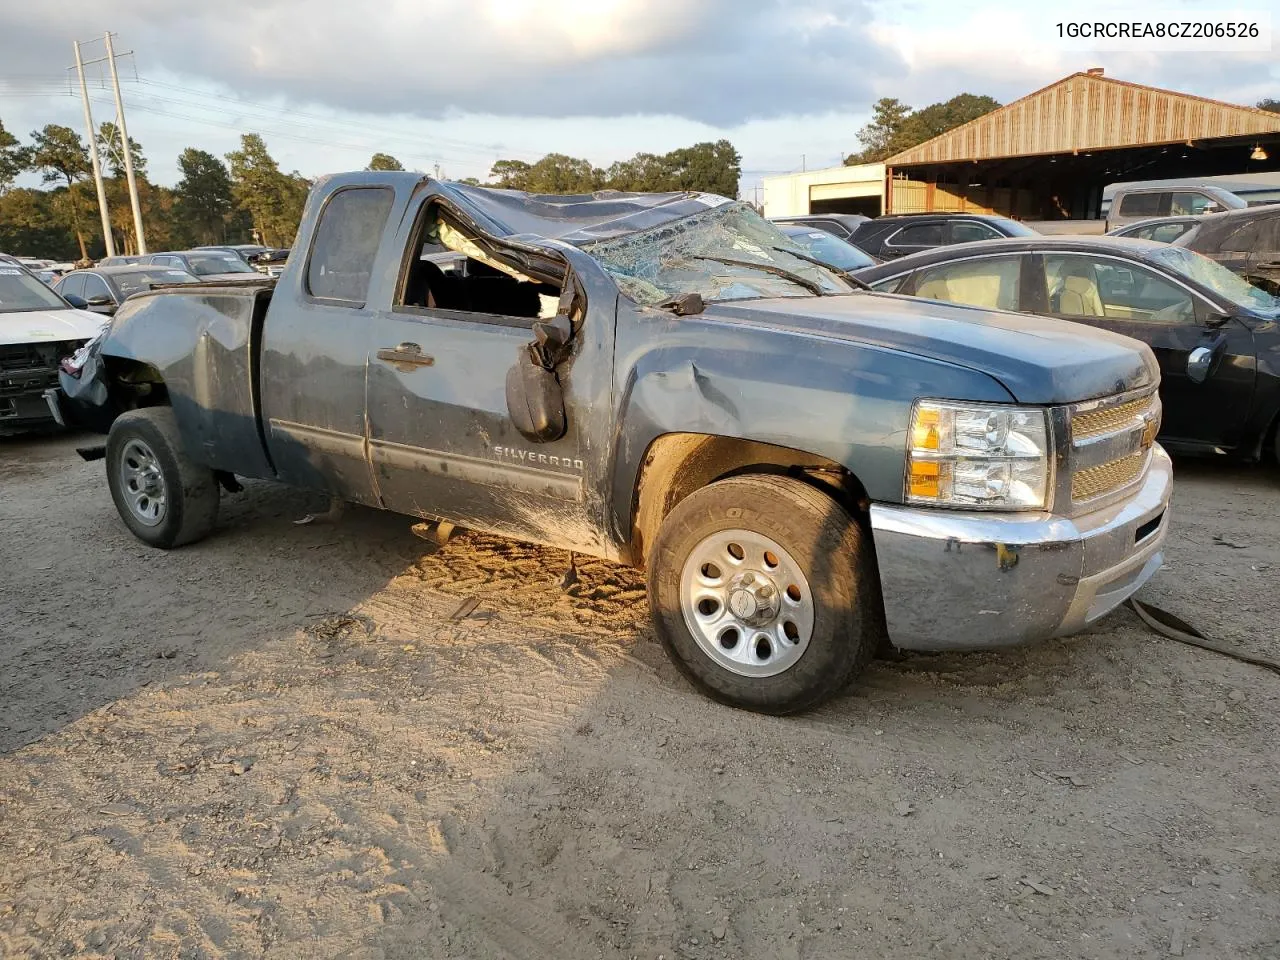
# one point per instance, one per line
(802, 467)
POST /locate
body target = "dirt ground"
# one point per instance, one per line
(281, 743)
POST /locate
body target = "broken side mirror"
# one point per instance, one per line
(535, 400)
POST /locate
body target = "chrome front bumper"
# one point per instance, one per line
(967, 580)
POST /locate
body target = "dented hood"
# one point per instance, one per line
(48, 326)
(1037, 359)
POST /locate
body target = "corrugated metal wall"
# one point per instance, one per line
(1087, 112)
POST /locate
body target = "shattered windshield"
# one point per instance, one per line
(692, 254)
(1217, 278)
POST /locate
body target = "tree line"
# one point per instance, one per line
(245, 196)
(216, 200)
(706, 167)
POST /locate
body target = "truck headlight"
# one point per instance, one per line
(978, 456)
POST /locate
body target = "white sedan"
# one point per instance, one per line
(37, 329)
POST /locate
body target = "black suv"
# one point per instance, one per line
(840, 225)
(897, 235)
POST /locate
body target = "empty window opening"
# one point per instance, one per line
(455, 274)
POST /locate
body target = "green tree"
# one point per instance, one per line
(273, 199)
(202, 198)
(938, 118)
(894, 127)
(14, 158)
(113, 156)
(880, 137)
(61, 157)
(706, 167)
(560, 173)
(384, 161)
(1269, 103)
(510, 174)
(645, 172)
(29, 223)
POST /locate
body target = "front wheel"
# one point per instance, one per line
(764, 593)
(162, 496)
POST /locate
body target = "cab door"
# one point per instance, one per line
(1121, 296)
(441, 441)
(316, 339)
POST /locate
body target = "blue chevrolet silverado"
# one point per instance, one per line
(804, 468)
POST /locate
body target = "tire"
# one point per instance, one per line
(162, 496)
(800, 550)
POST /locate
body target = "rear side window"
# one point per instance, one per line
(1194, 203)
(892, 285)
(918, 234)
(95, 286)
(72, 285)
(1268, 239)
(1243, 240)
(1140, 205)
(967, 231)
(990, 283)
(346, 242)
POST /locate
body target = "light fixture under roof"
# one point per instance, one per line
(1258, 152)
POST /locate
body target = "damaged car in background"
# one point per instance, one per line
(37, 329)
(667, 380)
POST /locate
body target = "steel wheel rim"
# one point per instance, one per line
(142, 483)
(746, 603)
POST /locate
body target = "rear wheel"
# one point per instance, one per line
(764, 593)
(162, 496)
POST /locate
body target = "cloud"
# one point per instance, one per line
(715, 61)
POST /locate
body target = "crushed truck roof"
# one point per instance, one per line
(577, 218)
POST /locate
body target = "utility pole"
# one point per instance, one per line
(128, 154)
(93, 156)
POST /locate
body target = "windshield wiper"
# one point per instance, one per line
(843, 274)
(811, 285)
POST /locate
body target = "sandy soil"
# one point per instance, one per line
(280, 743)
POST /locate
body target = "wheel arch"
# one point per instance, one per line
(674, 465)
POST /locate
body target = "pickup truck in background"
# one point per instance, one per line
(802, 467)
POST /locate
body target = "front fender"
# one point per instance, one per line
(204, 344)
(846, 402)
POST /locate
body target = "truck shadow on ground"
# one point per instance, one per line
(363, 746)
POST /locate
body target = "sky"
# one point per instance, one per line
(449, 86)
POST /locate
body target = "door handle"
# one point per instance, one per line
(405, 357)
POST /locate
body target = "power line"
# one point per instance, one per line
(276, 133)
(254, 105)
(277, 115)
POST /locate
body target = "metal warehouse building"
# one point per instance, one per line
(1047, 156)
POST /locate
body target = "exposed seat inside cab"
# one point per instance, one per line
(429, 286)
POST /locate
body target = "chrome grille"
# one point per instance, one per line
(1111, 443)
(1095, 423)
(1096, 481)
